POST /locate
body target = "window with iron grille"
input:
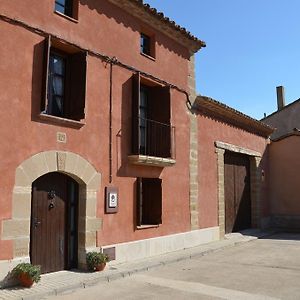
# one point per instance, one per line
(151, 127)
(149, 201)
(64, 81)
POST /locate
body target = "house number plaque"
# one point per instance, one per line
(111, 200)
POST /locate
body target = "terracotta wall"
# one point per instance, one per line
(106, 29)
(209, 131)
(284, 176)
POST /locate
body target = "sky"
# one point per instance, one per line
(252, 47)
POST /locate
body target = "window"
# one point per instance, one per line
(149, 201)
(64, 81)
(67, 7)
(56, 85)
(145, 44)
(151, 127)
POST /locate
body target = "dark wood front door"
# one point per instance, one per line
(237, 192)
(54, 214)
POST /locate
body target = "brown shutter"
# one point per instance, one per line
(152, 201)
(139, 201)
(160, 111)
(136, 82)
(44, 100)
(76, 83)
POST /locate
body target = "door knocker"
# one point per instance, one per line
(51, 196)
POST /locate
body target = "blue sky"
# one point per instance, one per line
(252, 47)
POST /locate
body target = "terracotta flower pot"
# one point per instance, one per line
(100, 267)
(25, 280)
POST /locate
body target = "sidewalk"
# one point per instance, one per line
(60, 282)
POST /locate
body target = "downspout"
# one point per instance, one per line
(111, 63)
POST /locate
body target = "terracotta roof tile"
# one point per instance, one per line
(232, 116)
(167, 20)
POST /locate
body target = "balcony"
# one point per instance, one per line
(153, 143)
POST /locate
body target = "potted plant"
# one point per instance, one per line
(96, 261)
(27, 274)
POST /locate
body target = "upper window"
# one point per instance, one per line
(149, 201)
(67, 7)
(56, 85)
(152, 131)
(147, 45)
(64, 81)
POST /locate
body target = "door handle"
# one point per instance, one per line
(36, 223)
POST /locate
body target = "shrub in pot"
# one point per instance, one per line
(96, 261)
(27, 274)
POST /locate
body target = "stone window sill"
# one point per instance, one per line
(141, 227)
(148, 56)
(66, 17)
(146, 160)
(61, 121)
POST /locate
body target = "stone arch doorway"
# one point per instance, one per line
(17, 229)
(54, 222)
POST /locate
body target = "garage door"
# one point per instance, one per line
(237, 192)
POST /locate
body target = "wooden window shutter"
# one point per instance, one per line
(136, 82)
(152, 201)
(44, 101)
(75, 102)
(139, 201)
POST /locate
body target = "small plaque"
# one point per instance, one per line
(111, 200)
(61, 137)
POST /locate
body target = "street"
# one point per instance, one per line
(266, 268)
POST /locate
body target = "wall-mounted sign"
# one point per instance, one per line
(111, 200)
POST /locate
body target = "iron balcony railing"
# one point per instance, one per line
(156, 139)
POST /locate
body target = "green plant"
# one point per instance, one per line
(33, 272)
(93, 259)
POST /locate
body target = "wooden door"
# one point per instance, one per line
(54, 214)
(237, 192)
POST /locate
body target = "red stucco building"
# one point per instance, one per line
(104, 144)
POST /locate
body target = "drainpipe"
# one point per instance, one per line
(112, 62)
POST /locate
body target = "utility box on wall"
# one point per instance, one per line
(111, 200)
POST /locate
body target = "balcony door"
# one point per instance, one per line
(151, 114)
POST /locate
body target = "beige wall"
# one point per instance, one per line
(284, 176)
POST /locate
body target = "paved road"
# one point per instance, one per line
(261, 269)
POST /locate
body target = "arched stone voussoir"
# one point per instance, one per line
(55, 161)
(71, 164)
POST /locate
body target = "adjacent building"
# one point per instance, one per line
(283, 161)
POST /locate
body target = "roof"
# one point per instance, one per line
(295, 132)
(283, 108)
(155, 18)
(231, 116)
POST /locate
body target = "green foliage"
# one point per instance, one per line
(93, 259)
(34, 272)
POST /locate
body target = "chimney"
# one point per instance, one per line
(280, 97)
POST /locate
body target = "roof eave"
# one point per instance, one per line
(158, 21)
(234, 117)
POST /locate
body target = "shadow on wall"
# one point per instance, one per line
(121, 17)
